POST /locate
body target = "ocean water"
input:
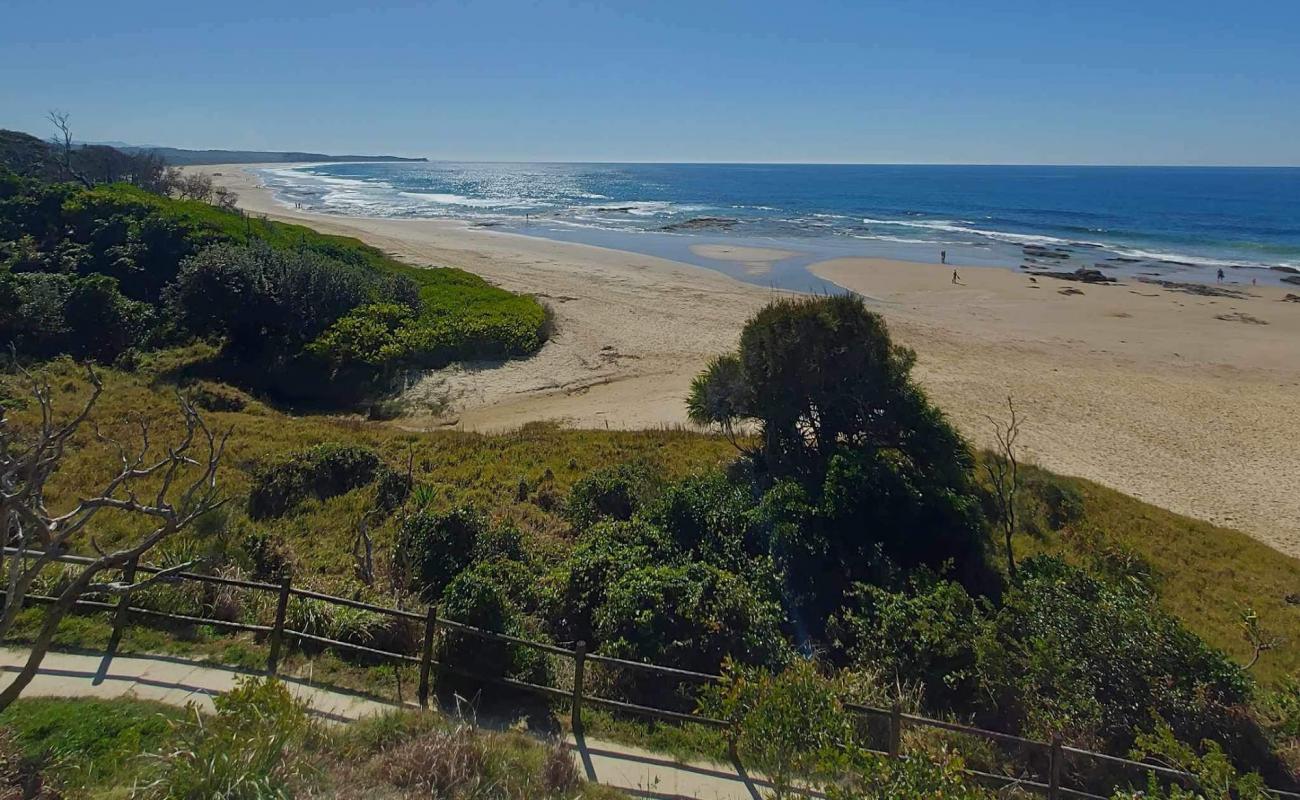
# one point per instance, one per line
(1170, 223)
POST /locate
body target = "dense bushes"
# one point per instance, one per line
(693, 616)
(435, 548)
(1068, 653)
(1064, 654)
(266, 301)
(868, 475)
(47, 314)
(297, 308)
(610, 493)
(319, 472)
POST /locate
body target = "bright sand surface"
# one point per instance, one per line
(1185, 401)
(756, 260)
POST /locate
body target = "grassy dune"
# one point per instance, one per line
(1207, 575)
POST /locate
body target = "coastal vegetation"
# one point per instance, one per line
(835, 541)
(107, 271)
(259, 743)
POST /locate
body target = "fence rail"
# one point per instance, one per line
(1049, 783)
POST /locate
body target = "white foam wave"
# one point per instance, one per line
(442, 198)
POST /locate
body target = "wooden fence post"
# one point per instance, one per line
(123, 603)
(277, 632)
(426, 656)
(1054, 758)
(896, 730)
(579, 666)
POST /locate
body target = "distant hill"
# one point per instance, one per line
(27, 155)
(180, 157)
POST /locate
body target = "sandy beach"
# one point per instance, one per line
(1187, 401)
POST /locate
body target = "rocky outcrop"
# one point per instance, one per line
(701, 223)
(1082, 275)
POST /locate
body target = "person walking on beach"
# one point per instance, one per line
(1220, 276)
(956, 280)
(943, 256)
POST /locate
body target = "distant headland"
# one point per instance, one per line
(181, 157)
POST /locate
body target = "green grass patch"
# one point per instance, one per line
(88, 742)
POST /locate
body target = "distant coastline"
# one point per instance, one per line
(181, 157)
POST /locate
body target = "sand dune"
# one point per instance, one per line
(1183, 400)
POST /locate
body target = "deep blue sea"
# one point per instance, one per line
(1174, 223)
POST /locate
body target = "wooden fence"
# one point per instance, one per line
(1045, 767)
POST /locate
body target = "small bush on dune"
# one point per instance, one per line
(435, 547)
(615, 493)
(266, 300)
(248, 750)
(322, 472)
(212, 396)
(693, 616)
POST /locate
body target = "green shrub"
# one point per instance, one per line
(267, 300)
(1061, 503)
(870, 776)
(1070, 654)
(605, 552)
(712, 518)
(391, 490)
(435, 547)
(788, 724)
(611, 493)
(925, 635)
(483, 596)
(249, 750)
(693, 616)
(1214, 775)
(47, 314)
(323, 471)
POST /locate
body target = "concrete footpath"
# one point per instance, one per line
(176, 681)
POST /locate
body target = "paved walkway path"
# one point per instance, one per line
(176, 681)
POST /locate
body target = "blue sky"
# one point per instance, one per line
(979, 81)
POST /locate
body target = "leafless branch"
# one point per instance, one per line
(63, 141)
(185, 478)
(1003, 470)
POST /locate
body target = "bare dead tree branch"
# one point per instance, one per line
(185, 477)
(63, 141)
(1003, 470)
(1260, 641)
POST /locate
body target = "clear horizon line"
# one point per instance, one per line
(671, 162)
